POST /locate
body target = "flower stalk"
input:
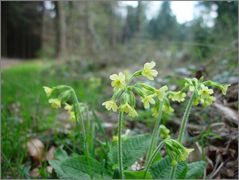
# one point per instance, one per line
(183, 127)
(79, 118)
(120, 157)
(149, 162)
(185, 118)
(155, 131)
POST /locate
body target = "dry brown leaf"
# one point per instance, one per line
(36, 149)
(230, 172)
(50, 153)
(35, 173)
(49, 169)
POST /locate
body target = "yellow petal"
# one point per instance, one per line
(113, 76)
(149, 65)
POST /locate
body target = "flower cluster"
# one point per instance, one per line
(125, 93)
(176, 151)
(57, 100)
(203, 91)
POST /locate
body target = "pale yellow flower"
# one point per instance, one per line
(205, 91)
(191, 83)
(224, 88)
(118, 81)
(168, 109)
(68, 107)
(148, 70)
(177, 96)
(110, 105)
(55, 103)
(72, 116)
(196, 101)
(155, 112)
(184, 155)
(126, 108)
(161, 92)
(147, 100)
(207, 101)
(48, 90)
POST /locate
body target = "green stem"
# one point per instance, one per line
(79, 118)
(172, 173)
(185, 118)
(120, 157)
(152, 158)
(183, 127)
(155, 131)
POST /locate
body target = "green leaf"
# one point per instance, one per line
(83, 167)
(196, 170)
(55, 164)
(162, 169)
(133, 149)
(60, 154)
(137, 175)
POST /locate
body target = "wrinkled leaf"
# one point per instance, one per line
(137, 175)
(60, 154)
(83, 167)
(133, 149)
(196, 170)
(55, 164)
(162, 169)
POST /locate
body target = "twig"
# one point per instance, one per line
(216, 171)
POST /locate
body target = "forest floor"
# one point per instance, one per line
(26, 115)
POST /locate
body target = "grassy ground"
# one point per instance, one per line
(25, 110)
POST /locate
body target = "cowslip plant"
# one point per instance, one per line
(65, 96)
(201, 93)
(125, 150)
(124, 98)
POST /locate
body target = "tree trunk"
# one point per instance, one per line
(60, 30)
(139, 16)
(92, 37)
(112, 25)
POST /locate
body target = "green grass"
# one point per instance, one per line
(26, 113)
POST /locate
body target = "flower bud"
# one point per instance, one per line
(48, 90)
(164, 132)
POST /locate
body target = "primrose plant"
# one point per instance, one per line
(127, 88)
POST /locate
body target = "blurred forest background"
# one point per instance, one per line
(82, 43)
